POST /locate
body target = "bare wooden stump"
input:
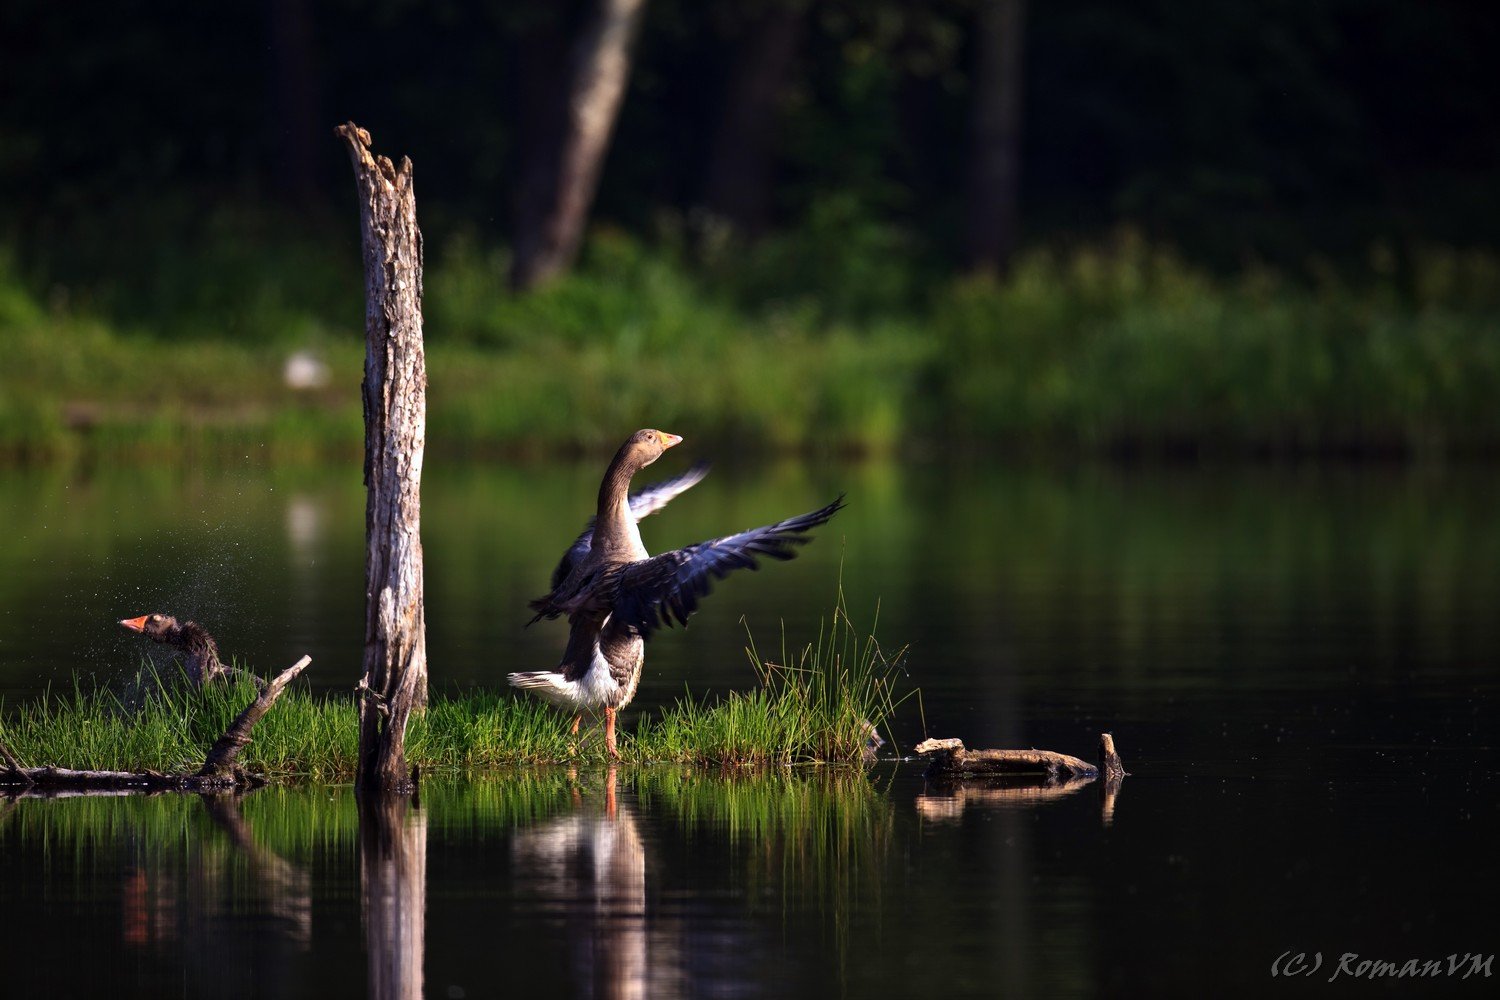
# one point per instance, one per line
(1114, 775)
(221, 756)
(1109, 760)
(395, 406)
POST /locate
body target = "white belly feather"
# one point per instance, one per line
(595, 690)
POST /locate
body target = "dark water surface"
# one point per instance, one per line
(1300, 668)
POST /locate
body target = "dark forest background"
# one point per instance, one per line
(1234, 127)
(855, 155)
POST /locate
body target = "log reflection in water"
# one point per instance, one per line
(230, 911)
(945, 803)
(285, 887)
(590, 867)
(1109, 791)
(393, 893)
(201, 902)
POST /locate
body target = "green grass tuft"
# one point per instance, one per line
(816, 707)
(820, 703)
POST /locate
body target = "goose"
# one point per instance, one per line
(615, 593)
(200, 652)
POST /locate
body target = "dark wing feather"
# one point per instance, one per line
(575, 554)
(653, 592)
(643, 503)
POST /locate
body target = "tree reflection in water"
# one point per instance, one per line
(393, 893)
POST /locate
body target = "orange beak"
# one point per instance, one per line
(136, 624)
(668, 440)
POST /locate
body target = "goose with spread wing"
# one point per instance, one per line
(200, 652)
(615, 593)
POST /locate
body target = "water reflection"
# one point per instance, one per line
(393, 891)
(946, 802)
(669, 882)
(157, 909)
(162, 882)
(661, 882)
(588, 867)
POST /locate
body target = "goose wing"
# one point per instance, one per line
(654, 592)
(643, 503)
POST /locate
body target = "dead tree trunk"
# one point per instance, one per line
(995, 170)
(549, 234)
(395, 405)
(393, 889)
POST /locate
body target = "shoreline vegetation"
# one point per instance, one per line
(816, 705)
(824, 342)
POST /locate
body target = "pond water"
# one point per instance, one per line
(1299, 666)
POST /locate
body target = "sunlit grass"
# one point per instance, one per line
(818, 706)
(1103, 347)
(820, 703)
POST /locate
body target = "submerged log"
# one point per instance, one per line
(217, 773)
(395, 407)
(13, 766)
(951, 759)
(42, 779)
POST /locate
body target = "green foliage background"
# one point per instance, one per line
(1249, 227)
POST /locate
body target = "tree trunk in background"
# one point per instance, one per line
(393, 894)
(549, 232)
(395, 405)
(996, 158)
(295, 101)
(739, 169)
(541, 89)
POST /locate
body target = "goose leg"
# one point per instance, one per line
(609, 733)
(576, 720)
